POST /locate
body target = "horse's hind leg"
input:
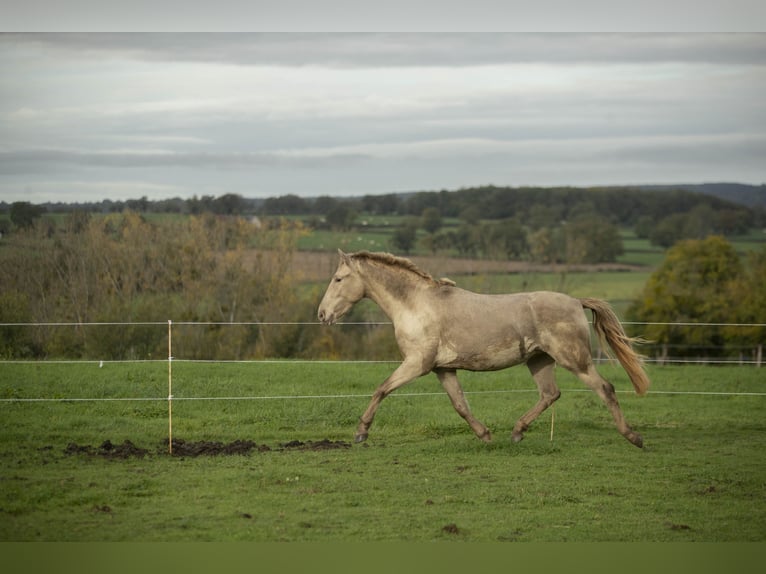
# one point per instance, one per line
(605, 390)
(542, 368)
(449, 381)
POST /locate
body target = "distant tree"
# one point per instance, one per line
(172, 205)
(748, 302)
(341, 216)
(700, 222)
(545, 245)
(431, 219)
(693, 284)
(405, 236)
(417, 202)
(388, 204)
(230, 204)
(591, 239)
(669, 230)
(467, 240)
(733, 221)
(544, 215)
(471, 215)
(381, 204)
(582, 210)
(140, 205)
(23, 214)
(504, 240)
(644, 226)
(285, 205)
(15, 342)
(199, 205)
(324, 204)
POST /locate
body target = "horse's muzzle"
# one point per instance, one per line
(326, 318)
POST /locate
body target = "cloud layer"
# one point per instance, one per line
(268, 114)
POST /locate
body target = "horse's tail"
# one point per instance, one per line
(610, 331)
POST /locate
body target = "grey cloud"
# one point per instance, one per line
(408, 49)
(707, 151)
(30, 161)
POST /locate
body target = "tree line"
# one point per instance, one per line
(622, 206)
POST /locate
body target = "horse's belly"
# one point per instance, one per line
(489, 358)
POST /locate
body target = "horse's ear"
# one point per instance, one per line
(344, 258)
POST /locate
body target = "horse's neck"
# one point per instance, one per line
(391, 289)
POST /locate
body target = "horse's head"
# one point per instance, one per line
(344, 290)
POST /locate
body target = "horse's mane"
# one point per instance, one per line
(401, 262)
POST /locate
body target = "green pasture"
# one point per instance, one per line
(421, 476)
(617, 287)
(324, 240)
(639, 251)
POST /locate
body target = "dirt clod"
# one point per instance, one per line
(674, 526)
(324, 444)
(213, 448)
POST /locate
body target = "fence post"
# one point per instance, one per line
(170, 386)
(759, 355)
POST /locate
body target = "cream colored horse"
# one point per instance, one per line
(441, 328)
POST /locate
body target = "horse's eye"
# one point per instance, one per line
(338, 279)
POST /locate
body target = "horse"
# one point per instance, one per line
(441, 328)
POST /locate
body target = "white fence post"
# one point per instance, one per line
(170, 386)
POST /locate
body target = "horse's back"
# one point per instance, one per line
(533, 307)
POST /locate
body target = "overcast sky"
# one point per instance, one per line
(94, 116)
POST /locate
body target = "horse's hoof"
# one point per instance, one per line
(486, 436)
(360, 437)
(517, 437)
(636, 439)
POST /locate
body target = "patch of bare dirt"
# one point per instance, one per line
(184, 448)
(323, 444)
(214, 448)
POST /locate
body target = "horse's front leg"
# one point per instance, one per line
(449, 381)
(410, 369)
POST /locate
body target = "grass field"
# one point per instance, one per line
(421, 476)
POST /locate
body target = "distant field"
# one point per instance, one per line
(319, 240)
(68, 474)
(617, 287)
(638, 252)
(755, 240)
